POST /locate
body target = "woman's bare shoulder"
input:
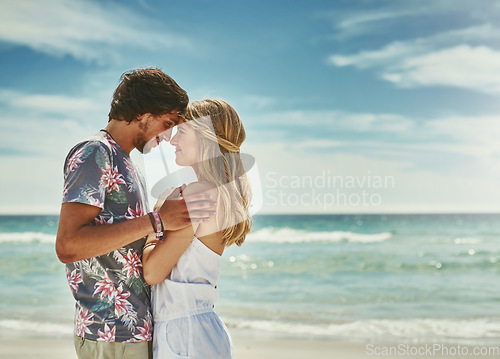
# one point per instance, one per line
(200, 187)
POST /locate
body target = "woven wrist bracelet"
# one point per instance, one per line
(159, 225)
(152, 219)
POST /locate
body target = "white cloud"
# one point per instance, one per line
(387, 16)
(286, 184)
(399, 149)
(67, 106)
(33, 146)
(258, 102)
(321, 144)
(473, 135)
(363, 22)
(393, 52)
(85, 30)
(475, 68)
(34, 185)
(356, 122)
(466, 146)
(369, 122)
(459, 58)
(358, 19)
(480, 133)
(71, 119)
(42, 136)
(33, 149)
(40, 124)
(351, 22)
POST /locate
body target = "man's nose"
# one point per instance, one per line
(165, 135)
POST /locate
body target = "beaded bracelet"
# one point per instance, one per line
(159, 225)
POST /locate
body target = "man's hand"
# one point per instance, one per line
(178, 212)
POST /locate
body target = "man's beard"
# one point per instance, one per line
(147, 146)
(143, 144)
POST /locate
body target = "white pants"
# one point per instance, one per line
(199, 334)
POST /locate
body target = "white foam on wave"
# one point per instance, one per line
(289, 235)
(409, 330)
(466, 240)
(415, 330)
(25, 326)
(27, 237)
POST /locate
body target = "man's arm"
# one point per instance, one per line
(77, 238)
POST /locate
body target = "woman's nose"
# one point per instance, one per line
(173, 140)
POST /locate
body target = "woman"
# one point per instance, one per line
(184, 267)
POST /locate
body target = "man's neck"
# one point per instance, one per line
(123, 134)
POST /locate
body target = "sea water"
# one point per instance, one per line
(367, 278)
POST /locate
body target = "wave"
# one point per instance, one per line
(466, 240)
(275, 235)
(290, 235)
(25, 326)
(415, 330)
(27, 237)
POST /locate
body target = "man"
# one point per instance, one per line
(103, 220)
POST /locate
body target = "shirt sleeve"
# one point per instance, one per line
(84, 169)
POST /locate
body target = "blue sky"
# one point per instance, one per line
(349, 106)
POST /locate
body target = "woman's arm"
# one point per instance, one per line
(159, 258)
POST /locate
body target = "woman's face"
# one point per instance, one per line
(185, 142)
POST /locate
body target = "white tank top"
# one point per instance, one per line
(190, 285)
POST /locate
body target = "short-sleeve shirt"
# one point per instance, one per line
(112, 297)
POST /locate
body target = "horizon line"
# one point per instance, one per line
(312, 213)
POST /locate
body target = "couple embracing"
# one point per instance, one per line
(145, 282)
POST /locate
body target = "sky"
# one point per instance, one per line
(349, 106)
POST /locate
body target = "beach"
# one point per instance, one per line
(245, 348)
(251, 348)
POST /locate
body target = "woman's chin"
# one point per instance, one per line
(183, 161)
(179, 162)
(183, 164)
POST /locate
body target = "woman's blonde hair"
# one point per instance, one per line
(221, 134)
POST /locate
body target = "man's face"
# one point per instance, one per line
(152, 130)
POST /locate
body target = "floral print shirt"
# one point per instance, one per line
(112, 298)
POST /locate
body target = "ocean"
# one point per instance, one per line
(429, 278)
